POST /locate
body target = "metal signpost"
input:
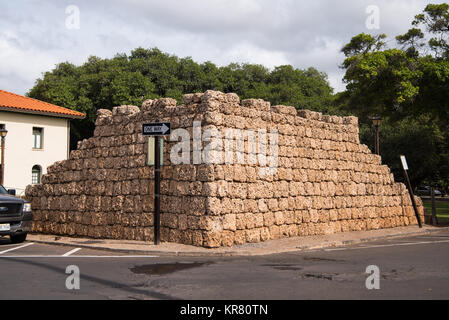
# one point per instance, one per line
(409, 187)
(156, 130)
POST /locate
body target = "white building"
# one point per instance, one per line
(38, 135)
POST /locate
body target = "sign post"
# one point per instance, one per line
(409, 187)
(158, 130)
(434, 208)
(157, 191)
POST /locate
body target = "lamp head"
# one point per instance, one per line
(376, 120)
(3, 132)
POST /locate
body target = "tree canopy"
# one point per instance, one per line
(408, 85)
(149, 73)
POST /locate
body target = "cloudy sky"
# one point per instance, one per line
(36, 35)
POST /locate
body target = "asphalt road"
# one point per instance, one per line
(409, 268)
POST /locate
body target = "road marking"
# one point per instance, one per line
(77, 256)
(388, 245)
(8, 245)
(19, 247)
(71, 252)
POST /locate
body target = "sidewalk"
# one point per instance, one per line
(249, 249)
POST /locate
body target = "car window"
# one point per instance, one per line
(3, 190)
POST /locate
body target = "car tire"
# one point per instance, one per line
(18, 238)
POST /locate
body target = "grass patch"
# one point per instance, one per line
(442, 208)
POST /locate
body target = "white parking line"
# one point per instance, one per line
(19, 247)
(387, 245)
(71, 252)
(8, 245)
(54, 256)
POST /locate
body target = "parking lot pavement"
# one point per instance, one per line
(414, 267)
(32, 270)
(282, 245)
(30, 249)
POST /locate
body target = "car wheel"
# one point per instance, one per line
(18, 238)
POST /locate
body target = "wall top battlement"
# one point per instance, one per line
(216, 101)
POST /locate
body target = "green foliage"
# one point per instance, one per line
(410, 88)
(149, 73)
(363, 43)
(417, 138)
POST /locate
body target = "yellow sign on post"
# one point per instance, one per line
(150, 150)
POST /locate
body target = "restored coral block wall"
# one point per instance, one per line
(326, 181)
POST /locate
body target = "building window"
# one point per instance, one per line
(37, 138)
(36, 175)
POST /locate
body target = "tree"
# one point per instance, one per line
(419, 139)
(408, 86)
(150, 73)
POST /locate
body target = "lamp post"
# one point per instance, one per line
(3, 133)
(376, 122)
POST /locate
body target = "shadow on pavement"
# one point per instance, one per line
(112, 284)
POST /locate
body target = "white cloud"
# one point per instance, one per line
(20, 66)
(33, 36)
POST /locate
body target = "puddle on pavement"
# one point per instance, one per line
(322, 259)
(321, 276)
(165, 268)
(286, 267)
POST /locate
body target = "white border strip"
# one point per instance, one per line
(15, 248)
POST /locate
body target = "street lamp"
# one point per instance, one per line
(376, 122)
(3, 133)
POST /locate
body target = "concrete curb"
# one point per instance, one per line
(235, 251)
(146, 252)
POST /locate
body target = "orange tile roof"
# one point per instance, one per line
(17, 103)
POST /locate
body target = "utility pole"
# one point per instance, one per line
(376, 122)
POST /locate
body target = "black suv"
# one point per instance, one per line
(15, 216)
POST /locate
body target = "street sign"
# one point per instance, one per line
(151, 151)
(404, 163)
(156, 129)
